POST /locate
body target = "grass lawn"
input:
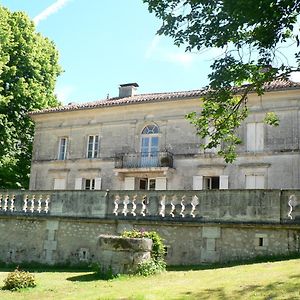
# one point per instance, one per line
(273, 280)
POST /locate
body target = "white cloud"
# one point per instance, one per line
(184, 59)
(53, 8)
(295, 76)
(63, 93)
(153, 46)
(168, 53)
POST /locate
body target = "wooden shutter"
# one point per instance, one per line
(129, 183)
(197, 183)
(223, 182)
(259, 136)
(78, 183)
(161, 183)
(251, 139)
(98, 182)
(259, 181)
(250, 182)
(59, 184)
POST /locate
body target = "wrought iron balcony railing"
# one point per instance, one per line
(144, 160)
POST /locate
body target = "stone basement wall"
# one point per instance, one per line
(61, 227)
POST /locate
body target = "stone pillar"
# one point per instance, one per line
(209, 251)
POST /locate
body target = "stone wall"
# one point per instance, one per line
(64, 226)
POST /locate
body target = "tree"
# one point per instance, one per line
(251, 34)
(28, 71)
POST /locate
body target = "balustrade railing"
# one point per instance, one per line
(144, 160)
(24, 203)
(217, 205)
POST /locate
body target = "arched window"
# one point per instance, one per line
(150, 129)
(149, 146)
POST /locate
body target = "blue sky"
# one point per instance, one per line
(106, 43)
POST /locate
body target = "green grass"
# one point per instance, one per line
(271, 280)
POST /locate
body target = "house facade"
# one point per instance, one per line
(143, 142)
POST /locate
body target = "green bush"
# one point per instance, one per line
(158, 247)
(18, 280)
(150, 267)
(157, 263)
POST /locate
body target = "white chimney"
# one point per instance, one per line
(127, 89)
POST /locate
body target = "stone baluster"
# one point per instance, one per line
(32, 203)
(144, 205)
(141, 206)
(6, 198)
(173, 207)
(194, 203)
(116, 205)
(39, 208)
(12, 203)
(162, 206)
(183, 199)
(25, 205)
(47, 201)
(126, 201)
(132, 206)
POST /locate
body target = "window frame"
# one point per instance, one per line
(62, 155)
(94, 152)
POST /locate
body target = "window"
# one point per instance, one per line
(255, 181)
(211, 183)
(62, 150)
(255, 136)
(149, 146)
(93, 146)
(147, 184)
(89, 184)
(207, 140)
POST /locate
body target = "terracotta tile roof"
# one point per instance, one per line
(155, 97)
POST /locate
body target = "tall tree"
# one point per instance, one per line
(28, 71)
(253, 34)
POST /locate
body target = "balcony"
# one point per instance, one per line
(144, 160)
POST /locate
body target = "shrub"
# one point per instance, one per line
(150, 267)
(156, 264)
(158, 247)
(18, 280)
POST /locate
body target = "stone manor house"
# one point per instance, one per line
(143, 142)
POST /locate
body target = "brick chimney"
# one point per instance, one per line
(127, 89)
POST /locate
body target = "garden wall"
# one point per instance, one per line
(198, 226)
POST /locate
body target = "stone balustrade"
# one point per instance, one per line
(271, 206)
(24, 202)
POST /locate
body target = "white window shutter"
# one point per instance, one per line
(98, 182)
(59, 184)
(251, 139)
(197, 183)
(259, 138)
(250, 182)
(78, 183)
(129, 183)
(259, 181)
(160, 183)
(224, 182)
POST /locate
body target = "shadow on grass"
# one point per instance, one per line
(40, 268)
(276, 290)
(85, 277)
(256, 260)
